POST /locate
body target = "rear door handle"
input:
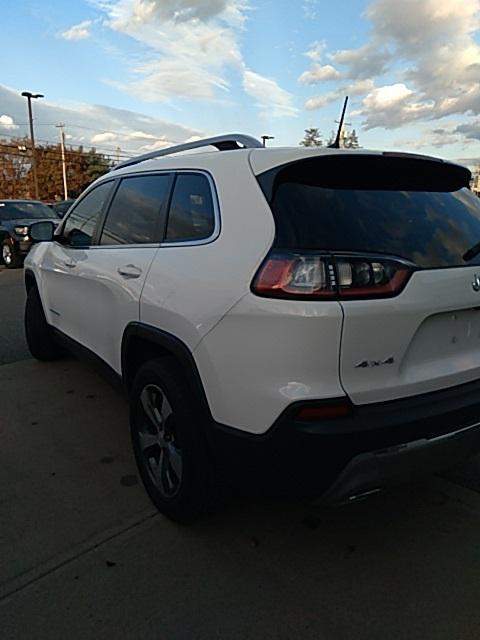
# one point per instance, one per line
(129, 271)
(71, 264)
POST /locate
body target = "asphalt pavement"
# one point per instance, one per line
(12, 301)
(83, 554)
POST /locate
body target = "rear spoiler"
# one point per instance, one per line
(389, 171)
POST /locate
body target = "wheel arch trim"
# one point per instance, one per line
(30, 280)
(170, 344)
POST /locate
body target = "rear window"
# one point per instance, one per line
(415, 209)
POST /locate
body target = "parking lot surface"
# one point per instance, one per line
(83, 554)
(12, 300)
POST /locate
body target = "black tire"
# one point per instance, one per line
(10, 256)
(184, 490)
(40, 339)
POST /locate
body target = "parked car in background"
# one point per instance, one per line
(62, 207)
(16, 216)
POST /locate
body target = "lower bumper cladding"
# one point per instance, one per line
(371, 472)
(344, 457)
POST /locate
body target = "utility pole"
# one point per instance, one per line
(29, 96)
(61, 126)
(117, 154)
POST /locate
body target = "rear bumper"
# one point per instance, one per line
(371, 472)
(377, 446)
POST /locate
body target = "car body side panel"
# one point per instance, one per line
(266, 354)
(190, 287)
(426, 339)
(90, 302)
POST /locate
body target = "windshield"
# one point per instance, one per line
(27, 210)
(432, 225)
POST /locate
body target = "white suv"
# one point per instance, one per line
(290, 318)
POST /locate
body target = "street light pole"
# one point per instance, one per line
(265, 138)
(61, 126)
(29, 96)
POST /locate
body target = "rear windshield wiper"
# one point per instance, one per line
(471, 253)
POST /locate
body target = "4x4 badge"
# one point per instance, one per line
(476, 283)
(374, 363)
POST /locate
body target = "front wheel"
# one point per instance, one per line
(10, 256)
(39, 336)
(168, 442)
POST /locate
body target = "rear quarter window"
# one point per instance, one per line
(191, 216)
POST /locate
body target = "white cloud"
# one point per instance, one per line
(7, 122)
(316, 51)
(387, 96)
(417, 25)
(141, 12)
(365, 62)
(140, 135)
(439, 137)
(391, 106)
(79, 31)
(269, 95)
(422, 62)
(310, 9)
(194, 45)
(320, 101)
(319, 73)
(101, 126)
(103, 137)
(470, 131)
(353, 89)
(358, 88)
(165, 79)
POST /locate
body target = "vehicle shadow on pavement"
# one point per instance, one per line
(84, 554)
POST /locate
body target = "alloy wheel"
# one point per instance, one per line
(158, 442)
(6, 254)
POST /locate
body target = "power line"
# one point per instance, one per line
(91, 146)
(72, 157)
(52, 151)
(81, 126)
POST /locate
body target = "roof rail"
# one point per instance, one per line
(222, 143)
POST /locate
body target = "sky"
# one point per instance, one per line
(130, 76)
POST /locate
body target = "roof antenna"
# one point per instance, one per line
(336, 143)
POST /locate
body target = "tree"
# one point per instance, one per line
(97, 165)
(350, 141)
(14, 167)
(331, 140)
(312, 138)
(83, 167)
(347, 141)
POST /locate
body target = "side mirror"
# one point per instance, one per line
(42, 231)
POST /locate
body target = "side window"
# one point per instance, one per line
(191, 215)
(80, 225)
(135, 216)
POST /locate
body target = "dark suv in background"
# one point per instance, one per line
(16, 216)
(62, 207)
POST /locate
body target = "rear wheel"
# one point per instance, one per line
(168, 442)
(10, 256)
(39, 335)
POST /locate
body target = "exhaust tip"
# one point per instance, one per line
(362, 495)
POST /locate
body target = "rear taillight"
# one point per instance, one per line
(287, 275)
(313, 276)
